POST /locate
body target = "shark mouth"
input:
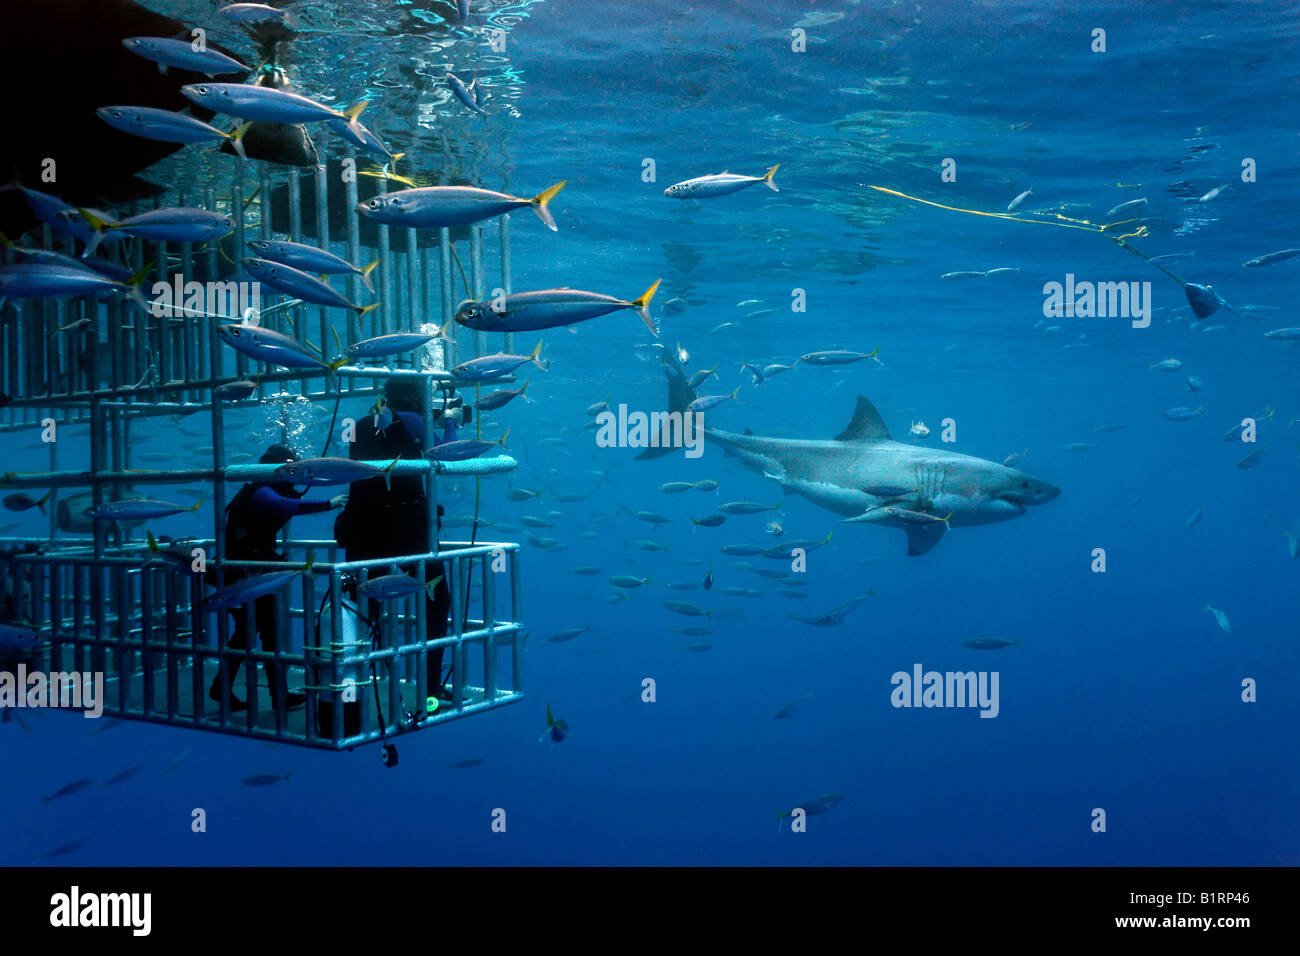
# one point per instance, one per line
(1038, 493)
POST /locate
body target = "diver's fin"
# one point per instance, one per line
(865, 425)
(921, 538)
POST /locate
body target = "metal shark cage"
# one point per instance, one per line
(102, 602)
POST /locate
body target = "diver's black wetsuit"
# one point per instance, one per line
(254, 518)
(382, 523)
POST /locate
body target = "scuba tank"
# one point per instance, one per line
(354, 631)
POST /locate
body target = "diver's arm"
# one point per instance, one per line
(414, 425)
(270, 505)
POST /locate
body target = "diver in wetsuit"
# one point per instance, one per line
(380, 522)
(254, 518)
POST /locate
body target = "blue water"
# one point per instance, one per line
(1123, 695)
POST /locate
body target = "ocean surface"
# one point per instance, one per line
(1124, 693)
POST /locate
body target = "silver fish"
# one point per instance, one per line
(720, 184)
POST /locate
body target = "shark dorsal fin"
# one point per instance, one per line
(865, 425)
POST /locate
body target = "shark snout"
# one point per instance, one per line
(1030, 491)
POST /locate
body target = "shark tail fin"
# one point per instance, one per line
(680, 395)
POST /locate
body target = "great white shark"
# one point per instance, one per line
(866, 476)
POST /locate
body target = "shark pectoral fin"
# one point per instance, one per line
(921, 538)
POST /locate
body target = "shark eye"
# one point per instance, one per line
(202, 90)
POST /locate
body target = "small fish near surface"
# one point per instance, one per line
(176, 224)
(501, 398)
(464, 449)
(705, 402)
(471, 95)
(254, 13)
(181, 54)
(397, 586)
(138, 509)
(1015, 203)
(550, 308)
(440, 207)
(323, 472)
(1127, 207)
(300, 285)
(29, 280)
(839, 357)
(310, 259)
(251, 588)
(167, 127)
(1182, 413)
(1271, 258)
(263, 104)
(720, 184)
(274, 348)
(489, 367)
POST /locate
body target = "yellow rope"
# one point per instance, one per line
(1082, 224)
(1068, 223)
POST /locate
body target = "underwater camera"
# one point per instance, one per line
(454, 408)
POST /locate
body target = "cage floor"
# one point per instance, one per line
(132, 704)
